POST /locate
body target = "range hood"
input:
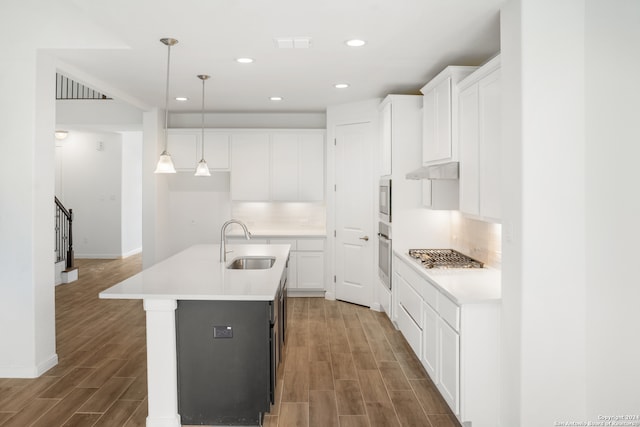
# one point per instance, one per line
(442, 171)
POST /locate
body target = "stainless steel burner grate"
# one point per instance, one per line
(444, 258)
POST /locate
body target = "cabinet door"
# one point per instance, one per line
(430, 342)
(216, 150)
(436, 144)
(182, 148)
(310, 266)
(442, 147)
(428, 126)
(490, 143)
(449, 368)
(284, 167)
(469, 155)
(386, 140)
(292, 271)
(250, 166)
(311, 167)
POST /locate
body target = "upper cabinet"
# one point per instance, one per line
(385, 139)
(185, 148)
(439, 107)
(250, 166)
(480, 142)
(277, 166)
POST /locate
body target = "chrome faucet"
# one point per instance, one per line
(223, 237)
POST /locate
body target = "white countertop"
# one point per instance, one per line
(462, 285)
(197, 274)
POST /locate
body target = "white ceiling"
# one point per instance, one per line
(408, 42)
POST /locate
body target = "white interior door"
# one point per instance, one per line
(354, 242)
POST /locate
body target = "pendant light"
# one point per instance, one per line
(202, 169)
(165, 164)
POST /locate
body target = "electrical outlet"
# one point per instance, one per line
(222, 332)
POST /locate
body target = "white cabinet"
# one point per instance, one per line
(250, 166)
(458, 345)
(306, 263)
(185, 147)
(277, 166)
(480, 142)
(439, 109)
(430, 341)
(449, 369)
(297, 167)
(385, 139)
(310, 270)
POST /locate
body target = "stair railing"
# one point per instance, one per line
(64, 234)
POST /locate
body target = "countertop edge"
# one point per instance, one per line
(455, 298)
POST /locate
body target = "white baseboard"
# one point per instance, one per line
(131, 252)
(295, 293)
(29, 371)
(330, 296)
(98, 256)
(376, 307)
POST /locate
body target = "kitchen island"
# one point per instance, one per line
(195, 274)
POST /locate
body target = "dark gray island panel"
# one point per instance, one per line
(224, 355)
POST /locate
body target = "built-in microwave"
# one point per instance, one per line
(385, 199)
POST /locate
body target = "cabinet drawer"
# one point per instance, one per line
(412, 333)
(430, 294)
(410, 300)
(293, 243)
(450, 312)
(310, 244)
(421, 284)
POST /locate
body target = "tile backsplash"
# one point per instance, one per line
(282, 215)
(477, 239)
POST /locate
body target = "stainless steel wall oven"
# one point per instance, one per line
(384, 253)
(385, 199)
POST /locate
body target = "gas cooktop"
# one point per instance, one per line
(444, 258)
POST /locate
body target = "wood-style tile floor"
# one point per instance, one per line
(347, 366)
(344, 365)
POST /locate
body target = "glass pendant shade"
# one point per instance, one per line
(202, 169)
(165, 164)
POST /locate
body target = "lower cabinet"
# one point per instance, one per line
(458, 345)
(306, 262)
(224, 359)
(449, 373)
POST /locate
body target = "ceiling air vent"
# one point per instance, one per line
(293, 42)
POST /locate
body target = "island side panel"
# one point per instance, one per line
(162, 380)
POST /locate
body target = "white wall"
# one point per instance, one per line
(570, 228)
(131, 224)
(198, 206)
(27, 177)
(103, 115)
(612, 207)
(249, 120)
(92, 178)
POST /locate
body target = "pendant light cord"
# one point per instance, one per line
(166, 99)
(203, 118)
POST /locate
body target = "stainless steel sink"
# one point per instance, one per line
(252, 263)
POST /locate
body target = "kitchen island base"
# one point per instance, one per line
(224, 361)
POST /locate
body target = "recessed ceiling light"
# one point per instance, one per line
(341, 85)
(181, 98)
(244, 60)
(355, 43)
(275, 98)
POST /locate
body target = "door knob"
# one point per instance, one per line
(365, 238)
